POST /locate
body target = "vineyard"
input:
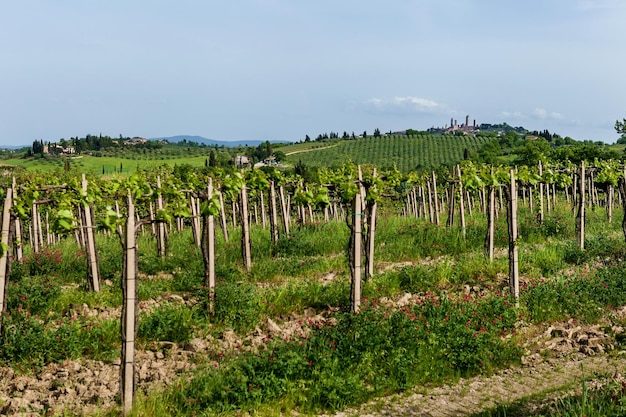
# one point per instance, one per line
(220, 292)
(408, 153)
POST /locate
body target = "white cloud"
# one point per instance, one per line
(537, 113)
(514, 114)
(545, 114)
(406, 104)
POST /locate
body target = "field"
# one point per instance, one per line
(282, 337)
(407, 153)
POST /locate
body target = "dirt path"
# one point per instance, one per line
(309, 150)
(473, 395)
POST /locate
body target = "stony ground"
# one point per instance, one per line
(557, 359)
(473, 395)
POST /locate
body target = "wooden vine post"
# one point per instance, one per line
(223, 218)
(34, 232)
(245, 229)
(622, 186)
(436, 199)
(5, 259)
(491, 220)
(195, 220)
(355, 293)
(93, 270)
(461, 202)
(273, 213)
(541, 187)
(372, 207)
(513, 255)
(19, 253)
(161, 230)
(284, 208)
(580, 214)
(208, 249)
(129, 311)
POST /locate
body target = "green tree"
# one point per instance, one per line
(280, 156)
(620, 127)
(533, 151)
(212, 159)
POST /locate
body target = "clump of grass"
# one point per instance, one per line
(166, 323)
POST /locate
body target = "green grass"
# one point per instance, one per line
(109, 165)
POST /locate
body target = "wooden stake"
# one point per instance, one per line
(90, 244)
(129, 312)
(273, 213)
(208, 250)
(224, 223)
(284, 209)
(436, 198)
(513, 254)
(356, 251)
(161, 230)
(461, 203)
(580, 216)
(19, 238)
(245, 230)
(5, 258)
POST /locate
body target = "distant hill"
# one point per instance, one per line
(13, 147)
(213, 142)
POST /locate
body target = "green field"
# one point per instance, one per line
(103, 164)
(406, 152)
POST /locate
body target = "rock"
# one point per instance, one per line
(196, 345)
(559, 332)
(20, 383)
(595, 341)
(273, 327)
(176, 297)
(404, 300)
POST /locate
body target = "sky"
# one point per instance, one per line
(283, 69)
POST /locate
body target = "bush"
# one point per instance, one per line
(33, 293)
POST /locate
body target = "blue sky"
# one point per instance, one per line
(279, 69)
